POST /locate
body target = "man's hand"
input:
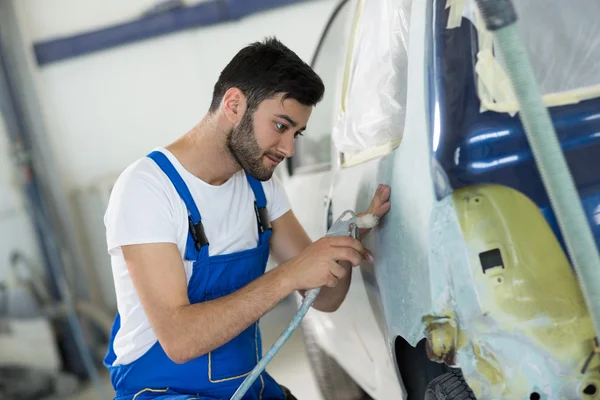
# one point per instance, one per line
(380, 205)
(308, 265)
(317, 265)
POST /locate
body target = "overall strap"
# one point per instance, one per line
(197, 238)
(260, 208)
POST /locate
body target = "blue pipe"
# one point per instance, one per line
(39, 213)
(149, 25)
(501, 19)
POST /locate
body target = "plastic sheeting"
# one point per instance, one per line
(373, 97)
(314, 149)
(563, 42)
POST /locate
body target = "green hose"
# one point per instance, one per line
(500, 18)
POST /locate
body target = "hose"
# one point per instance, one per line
(343, 226)
(500, 18)
(309, 298)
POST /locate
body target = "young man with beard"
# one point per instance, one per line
(190, 228)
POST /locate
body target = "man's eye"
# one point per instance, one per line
(280, 127)
(298, 134)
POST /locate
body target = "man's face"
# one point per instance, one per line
(266, 137)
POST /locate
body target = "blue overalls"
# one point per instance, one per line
(217, 374)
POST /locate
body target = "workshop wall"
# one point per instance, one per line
(105, 109)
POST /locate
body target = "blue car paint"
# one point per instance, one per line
(474, 148)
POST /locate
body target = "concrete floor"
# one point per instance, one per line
(290, 366)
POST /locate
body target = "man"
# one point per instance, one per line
(190, 228)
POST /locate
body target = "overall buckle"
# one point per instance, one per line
(197, 231)
(262, 217)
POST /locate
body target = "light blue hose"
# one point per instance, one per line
(500, 18)
(343, 226)
(309, 298)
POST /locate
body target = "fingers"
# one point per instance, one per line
(380, 203)
(350, 249)
(346, 241)
(336, 273)
(382, 209)
(346, 254)
(333, 281)
(337, 270)
(367, 255)
(382, 193)
(355, 257)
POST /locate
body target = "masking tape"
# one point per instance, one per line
(349, 55)
(368, 154)
(456, 13)
(494, 87)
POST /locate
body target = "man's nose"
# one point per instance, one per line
(286, 146)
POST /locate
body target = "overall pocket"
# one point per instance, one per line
(236, 358)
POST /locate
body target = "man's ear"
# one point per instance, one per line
(234, 105)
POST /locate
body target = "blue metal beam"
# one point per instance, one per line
(149, 26)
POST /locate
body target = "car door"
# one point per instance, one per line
(309, 184)
(370, 123)
(307, 175)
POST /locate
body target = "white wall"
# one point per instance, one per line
(106, 109)
(56, 18)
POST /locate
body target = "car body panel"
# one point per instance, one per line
(479, 148)
(427, 280)
(370, 335)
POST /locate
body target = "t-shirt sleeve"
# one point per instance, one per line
(278, 202)
(139, 211)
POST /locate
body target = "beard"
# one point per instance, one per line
(245, 151)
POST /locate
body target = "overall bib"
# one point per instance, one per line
(217, 374)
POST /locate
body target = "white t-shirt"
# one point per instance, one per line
(144, 207)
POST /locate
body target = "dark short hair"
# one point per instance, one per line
(263, 69)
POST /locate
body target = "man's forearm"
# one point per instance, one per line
(202, 327)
